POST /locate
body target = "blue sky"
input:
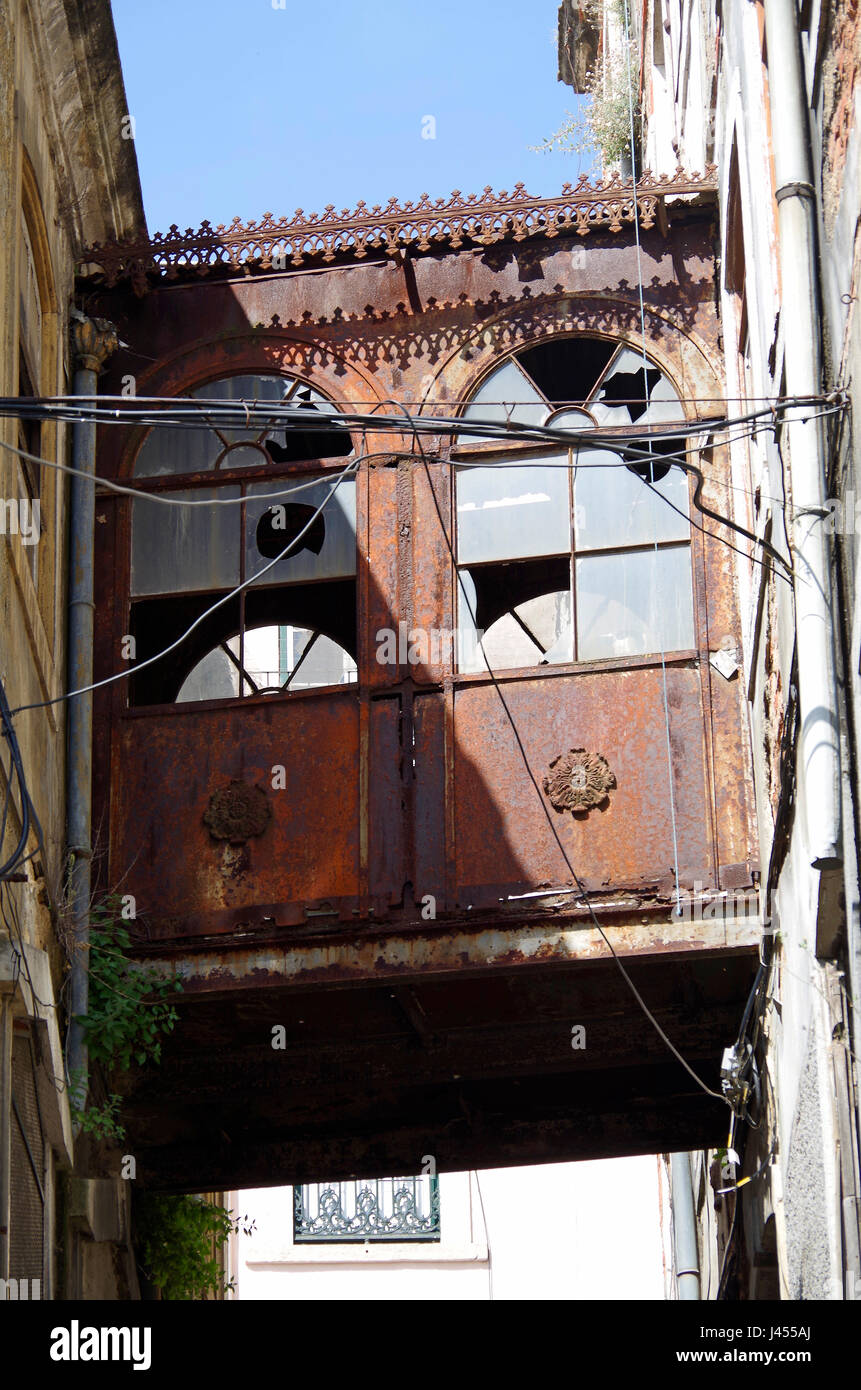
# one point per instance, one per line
(241, 107)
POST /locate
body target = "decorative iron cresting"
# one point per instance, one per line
(477, 218)
(579, 781)
(394, 1209)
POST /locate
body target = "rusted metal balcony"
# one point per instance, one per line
(369, 865)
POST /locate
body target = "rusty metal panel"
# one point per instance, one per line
(387, 806)
(434, 602)
(430, 848)
(262, 843)
(380, 594)
(735, 831)
(502, 835)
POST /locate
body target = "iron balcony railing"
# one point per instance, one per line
(377, 1209)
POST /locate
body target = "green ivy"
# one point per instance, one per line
(129, 1012)
(101, 1121)
(178, 1241)
(603, 121)
(129, 1005)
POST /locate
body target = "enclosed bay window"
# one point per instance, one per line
(294, 626)
(568, 557)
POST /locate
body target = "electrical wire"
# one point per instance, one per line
(351, 467)
(225, 598)
(188, 411)
(28, 818)
(557, 404)
(742, 1182)
(722, 540)
(226, 414)
(623, 452)
(185, 412)
(159, 497)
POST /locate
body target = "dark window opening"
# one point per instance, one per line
(631, 388)
(523, 611)
(282, 524)
(567, 368)
(308, 444)
(290, 637)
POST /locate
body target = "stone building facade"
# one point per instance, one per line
(67, 177)
(769, 93)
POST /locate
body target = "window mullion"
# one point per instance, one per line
(573, 548)
(242, 547)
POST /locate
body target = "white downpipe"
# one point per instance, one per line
(687, 1260)
(800, 313)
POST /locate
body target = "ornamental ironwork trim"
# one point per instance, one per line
(386, 1209)
(480, 219)
(579, 780)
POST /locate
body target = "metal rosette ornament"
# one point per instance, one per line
(579, 781)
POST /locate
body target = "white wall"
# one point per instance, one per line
(556, 1232)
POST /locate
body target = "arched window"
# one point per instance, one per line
(562, 564)
(294, 625)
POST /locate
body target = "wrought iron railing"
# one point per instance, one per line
(375, 1209)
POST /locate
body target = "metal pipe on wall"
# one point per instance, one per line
(685, 1247)
(93, 341)
(819, 740)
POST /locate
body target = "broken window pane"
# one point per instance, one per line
(187, 450)
(615, 507)
(523, 610)
(632, 394)
(327, 549)
(214, 678)
(242, 388)
(533, 634)
(169, 449)
(566, 369)
(314, 442)
(274, 659)
(504, 513)
(244, 456)
(176, 549)
(633, 604)
(507, 394)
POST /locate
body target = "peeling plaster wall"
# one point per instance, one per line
(804, 1188)
(810, 1234)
